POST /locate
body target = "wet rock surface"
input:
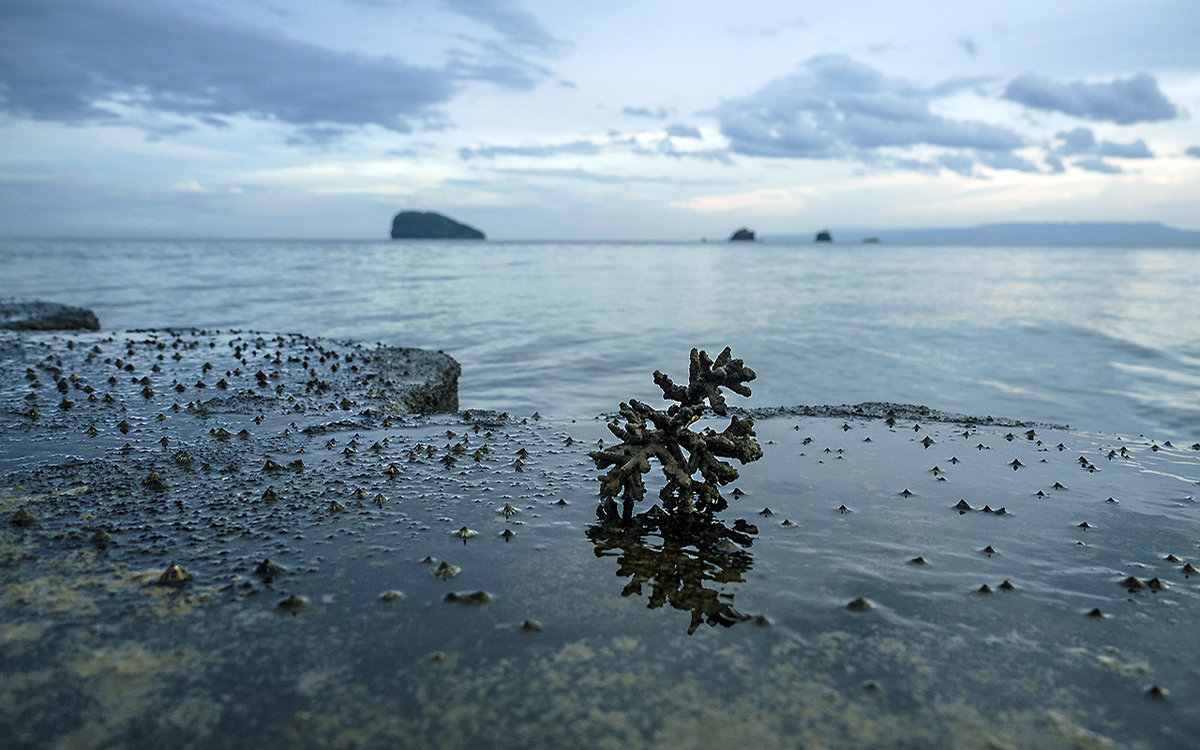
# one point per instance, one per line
(260, 510)
(36, 315)
(119, 380)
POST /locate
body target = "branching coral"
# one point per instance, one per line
(666, 436)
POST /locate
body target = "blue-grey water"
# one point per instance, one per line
(1103, 339)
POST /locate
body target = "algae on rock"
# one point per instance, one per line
(666, 436)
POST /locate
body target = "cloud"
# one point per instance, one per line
(1005, 160)
(1123, 101)
(586, 148)
(657, 114)
(1055, 163)
(515, 26)
(1077, 141)
(683, 131)
(666, 147)
(968, 45)
(1081, 141)
(1193, 151)
(767, 30)
(834, 107)
(1097, 165)
(98, 60)
(588, 176)
(959, 163)
(1135, 150)
(640, 145)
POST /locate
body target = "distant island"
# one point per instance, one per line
(742, 235)
(1146, 233)
(823, 236)
(415, 225)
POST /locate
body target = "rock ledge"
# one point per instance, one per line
(36, 315)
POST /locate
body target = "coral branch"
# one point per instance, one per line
(665, 436)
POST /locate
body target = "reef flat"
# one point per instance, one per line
(310, 567)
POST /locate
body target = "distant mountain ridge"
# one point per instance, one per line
(1018, 233)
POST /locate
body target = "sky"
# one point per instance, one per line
(543, 119)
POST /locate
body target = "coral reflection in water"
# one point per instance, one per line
(676, 557)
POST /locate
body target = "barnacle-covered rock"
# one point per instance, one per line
(268, 569)
(174, 575)
(293, 603)
(666, 436)
(475, 598)
(154, 481)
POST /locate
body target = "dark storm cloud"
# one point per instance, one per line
(1123, 101)
(68, 61)
(1081, 141)
(834, 107)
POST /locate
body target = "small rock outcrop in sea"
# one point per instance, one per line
(415, 225)
(742, 235)
(35, 315)
(823, 236)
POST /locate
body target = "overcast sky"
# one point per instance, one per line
(545, 119)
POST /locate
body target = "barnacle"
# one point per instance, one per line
(649, 433)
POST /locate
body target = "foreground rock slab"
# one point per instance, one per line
(36, 315)
(104, 380)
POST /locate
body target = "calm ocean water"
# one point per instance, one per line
(1105, 339)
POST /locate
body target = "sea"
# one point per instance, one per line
(916, 584)
(1104, 339)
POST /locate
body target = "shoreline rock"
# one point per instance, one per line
(215, 372)
(37, 315)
